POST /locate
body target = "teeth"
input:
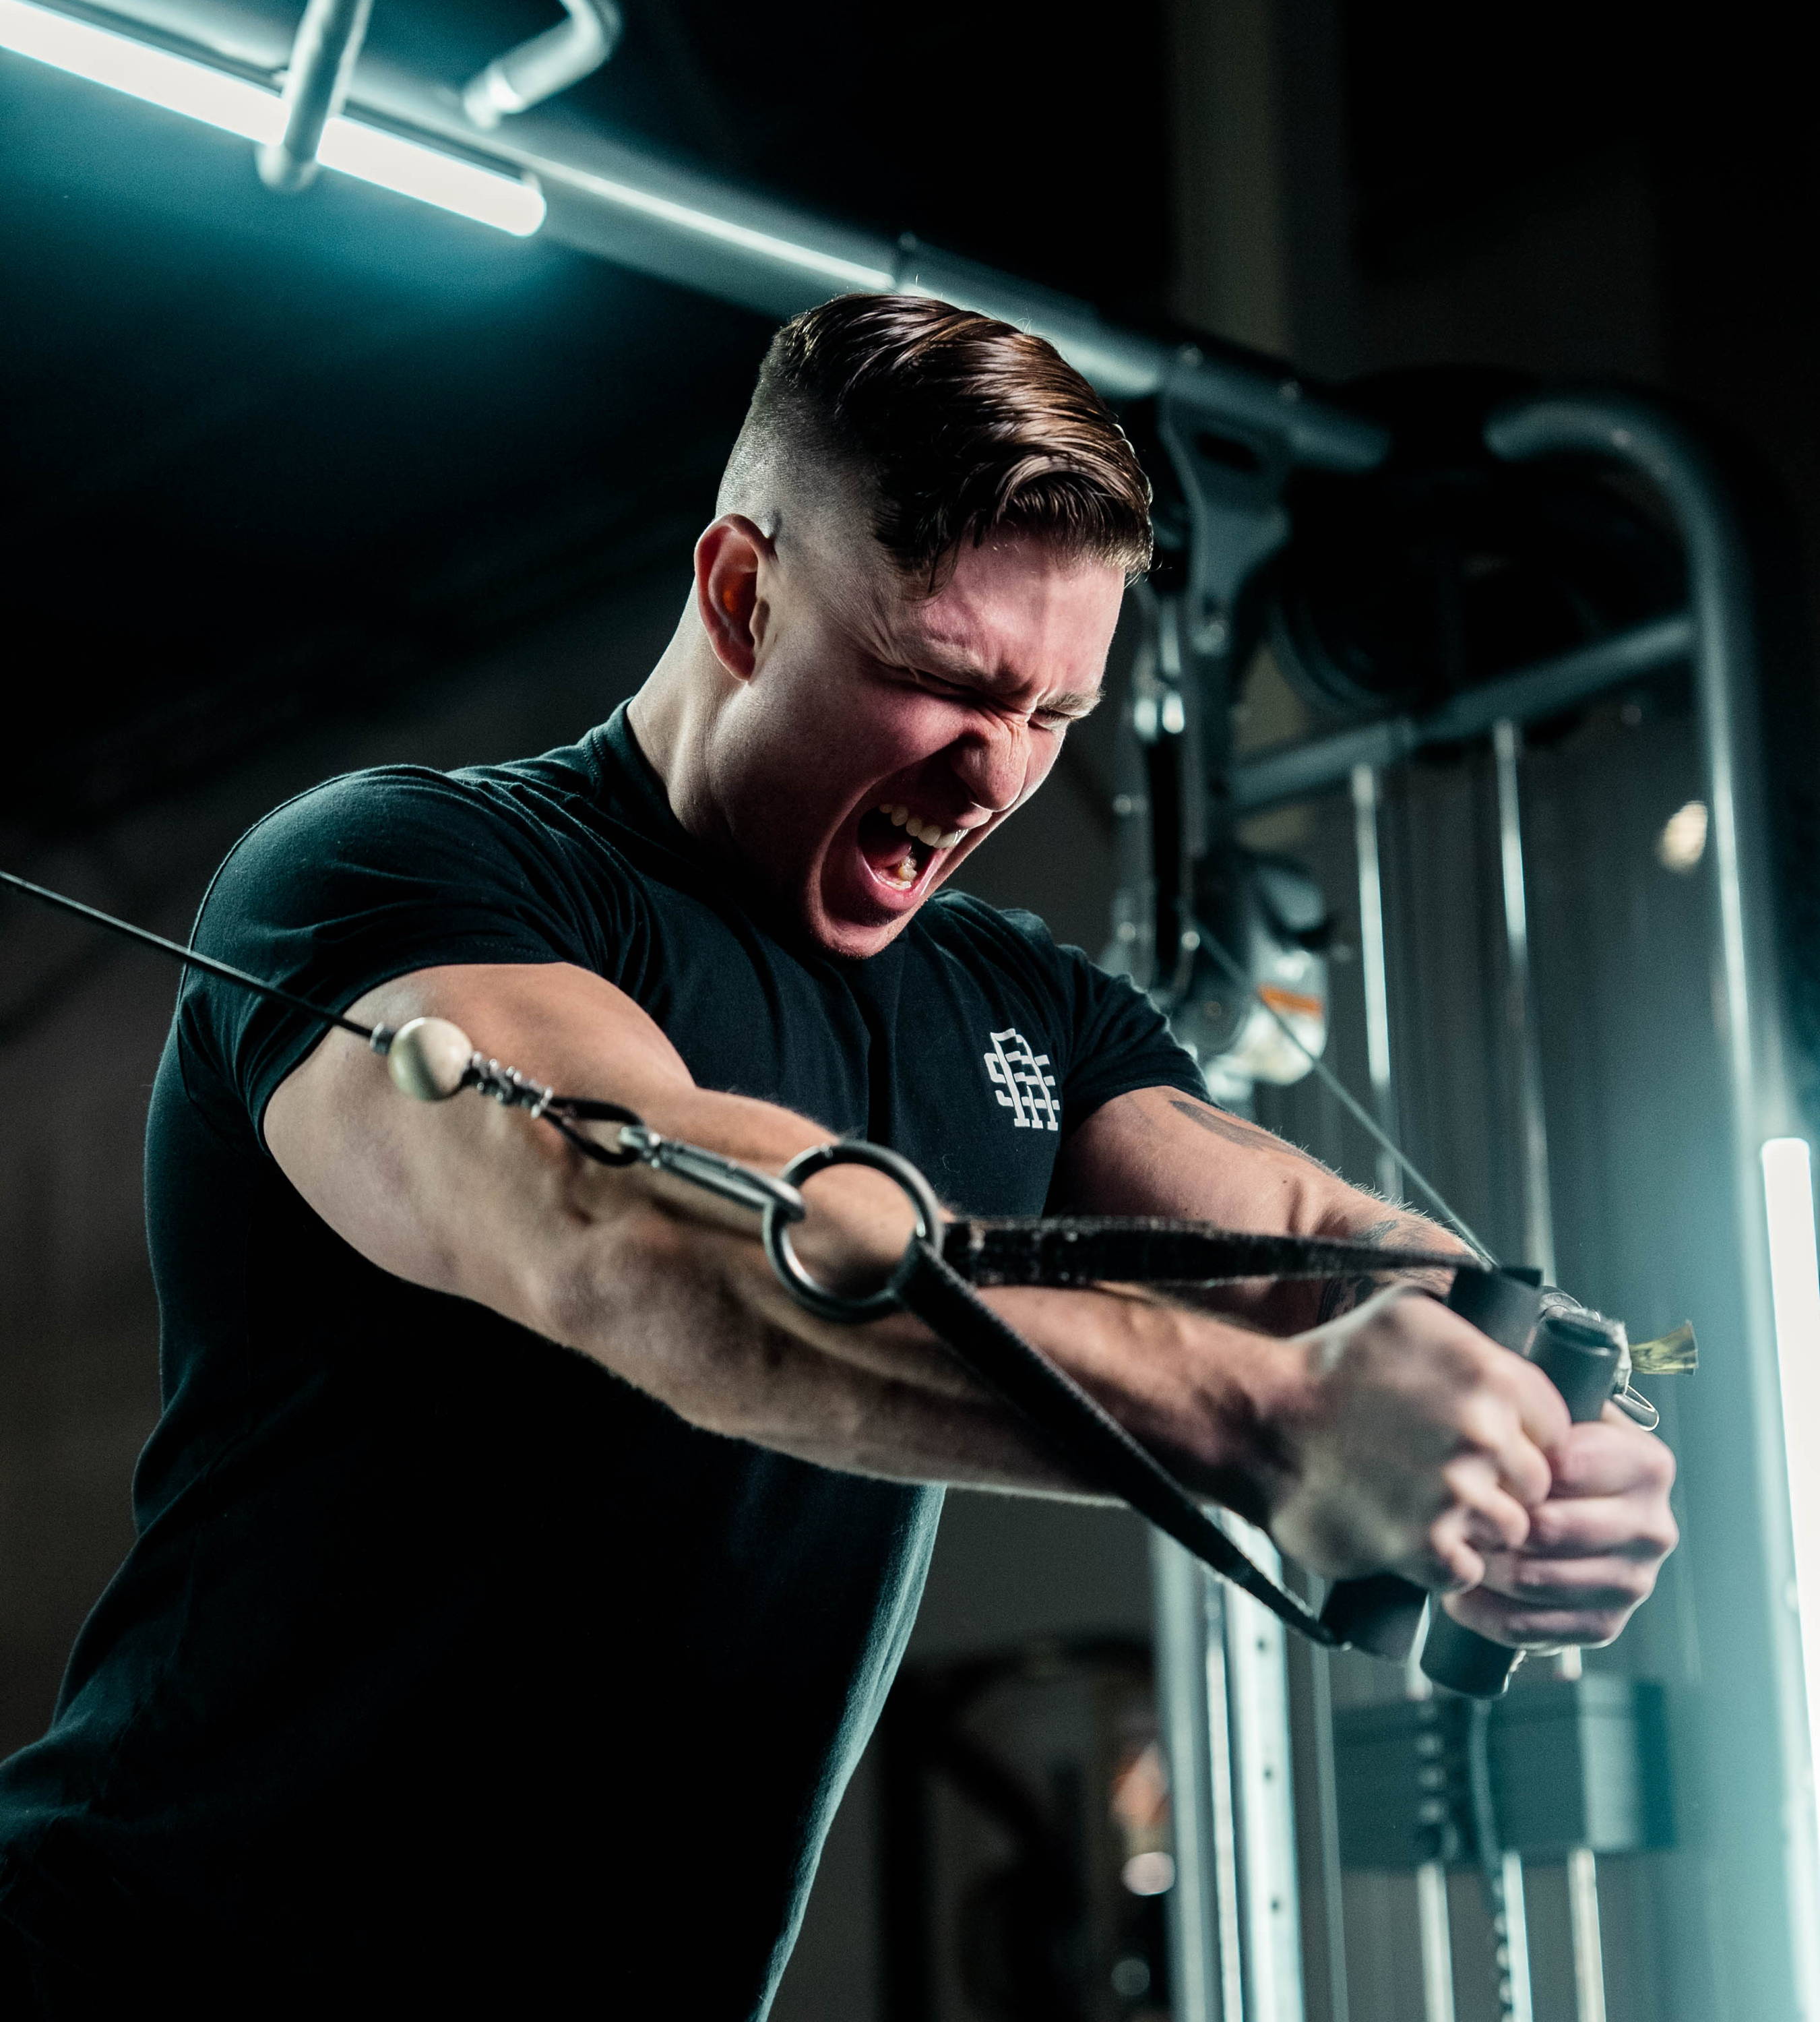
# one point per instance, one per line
(925, 832)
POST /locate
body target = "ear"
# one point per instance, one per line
(728, 557)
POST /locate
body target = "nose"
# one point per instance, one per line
(991, 760)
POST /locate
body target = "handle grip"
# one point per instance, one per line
(1583, 1357)
(1380, 1612)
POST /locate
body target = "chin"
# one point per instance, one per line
(853, 940)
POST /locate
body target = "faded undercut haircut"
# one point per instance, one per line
(958, 425)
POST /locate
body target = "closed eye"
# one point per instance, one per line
(1056, 717)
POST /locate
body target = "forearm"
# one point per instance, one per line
(668, 1287)
(690, 1310)
(1159, 1151)
(1361, 1218)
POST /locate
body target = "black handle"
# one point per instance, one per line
(1380, 1612)
(1582, 1356)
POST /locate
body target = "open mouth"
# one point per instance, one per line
(898, 847)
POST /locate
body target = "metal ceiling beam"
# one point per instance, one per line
(623, 204)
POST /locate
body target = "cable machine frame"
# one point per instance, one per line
(1745, 1761)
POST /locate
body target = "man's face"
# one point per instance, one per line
(880, 735)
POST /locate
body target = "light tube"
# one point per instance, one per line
(252, 111)
(826, 266)
(1795, 1288)
(510, 203)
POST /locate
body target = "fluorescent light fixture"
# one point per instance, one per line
(252, 111)
(827, 266)
(1795, 1287)
(511, 203)
(234, 104)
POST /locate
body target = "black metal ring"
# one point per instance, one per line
(841, 1307)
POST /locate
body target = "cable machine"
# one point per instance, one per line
(1596, 532)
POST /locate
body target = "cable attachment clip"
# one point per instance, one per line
(431, 1059)
(776, 1199)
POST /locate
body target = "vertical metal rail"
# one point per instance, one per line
(1234, 1912)
(1510, 1912)
(1202, 1909)
(1366, 802)
(1327, 1802)
(1434, 1924)
(1433, 1927)
(1437, 1942)
(1519, 1005)
(1257, 1691)
(1584, 1934)
(1754, 1753)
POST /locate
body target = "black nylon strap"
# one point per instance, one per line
(1087, 1250)
(1095, 1448)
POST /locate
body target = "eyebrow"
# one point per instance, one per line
(1074, 703)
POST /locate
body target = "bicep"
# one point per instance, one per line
(464, 1196)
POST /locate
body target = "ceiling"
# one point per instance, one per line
(270, 457)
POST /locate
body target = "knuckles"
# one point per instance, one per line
(1415, 1417)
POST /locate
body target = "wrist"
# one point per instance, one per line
(1234, 1402)
(1280, 1382)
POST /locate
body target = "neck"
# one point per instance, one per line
(672, 716)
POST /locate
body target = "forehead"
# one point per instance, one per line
(1015, 611)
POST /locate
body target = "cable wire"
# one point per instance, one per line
(1354, 1109)
(146, 938)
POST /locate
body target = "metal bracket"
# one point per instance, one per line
(538, 69)
(1231, 471)
(316, 86)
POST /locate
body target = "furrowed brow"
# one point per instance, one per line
(967, 674)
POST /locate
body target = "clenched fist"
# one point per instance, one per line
(1594, 1548)
(1411, 1444)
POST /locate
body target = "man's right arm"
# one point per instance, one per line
(667, 1288)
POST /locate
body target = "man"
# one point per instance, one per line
(520, 1572)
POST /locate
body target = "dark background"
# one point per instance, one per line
(269, 462)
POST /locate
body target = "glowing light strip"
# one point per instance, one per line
(829, 266)
(252, 111)
(509, 203)
(1795, 1288)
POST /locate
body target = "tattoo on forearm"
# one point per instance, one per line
(1340, 1295)
(1400, 1232)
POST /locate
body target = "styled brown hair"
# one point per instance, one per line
(962, 425)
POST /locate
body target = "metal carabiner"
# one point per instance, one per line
(776, 1199)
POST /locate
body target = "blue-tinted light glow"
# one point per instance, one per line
(1795, 1285)
(509, 202)
(234, 104)
(826, 266)
(252, 111)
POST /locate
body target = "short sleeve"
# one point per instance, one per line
(366, 878)
(1120, 1041)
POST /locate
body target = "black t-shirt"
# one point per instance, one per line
(446, 1666)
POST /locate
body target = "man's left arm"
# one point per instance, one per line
(1594, 1548)
(1160, 1151)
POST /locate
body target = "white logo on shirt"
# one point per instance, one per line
(1020, 1084)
